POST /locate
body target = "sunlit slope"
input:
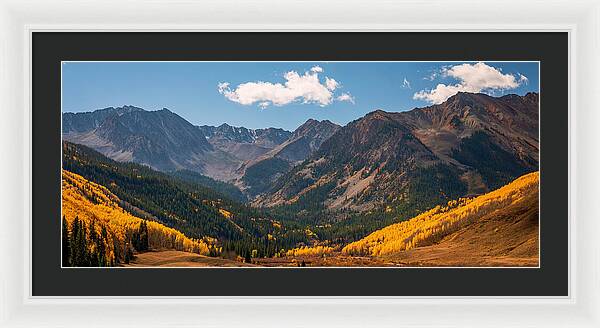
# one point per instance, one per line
(101, 214)
(502, 223)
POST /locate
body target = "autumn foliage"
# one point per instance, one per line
(310, 251)
(93, 210)
(431, 226)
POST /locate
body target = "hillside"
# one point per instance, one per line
(498, 228)
(159, 196)
(184, 205)
(97, 231)
(227, 189)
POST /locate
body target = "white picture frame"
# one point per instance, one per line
(18, 19)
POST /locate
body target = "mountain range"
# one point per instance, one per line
(165, 141)
(387, 161)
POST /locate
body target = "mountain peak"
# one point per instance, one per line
(464, 96)
(131, 108)
(377, 112)
(377, 115)
(309, 123)
(86, 121)
(534, 96)
(312, 124)
(463, 99)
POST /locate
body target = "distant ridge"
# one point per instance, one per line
(468, 145)
(165, 141)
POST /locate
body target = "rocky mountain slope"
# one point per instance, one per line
(413, 160)
(160, 139)
(165, 141)
(305, 140)
(258, 174)
(87, 121)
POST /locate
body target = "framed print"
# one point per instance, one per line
(348, 170)
(292, 161)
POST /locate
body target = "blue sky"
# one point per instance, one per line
(284, 94)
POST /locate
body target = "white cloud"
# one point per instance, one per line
(305, 88)
(477, 77)
(223, 86)
(331, 84)
(406, 84)
(523, 79)
(346, 97)
(439, 94)
(432, 76)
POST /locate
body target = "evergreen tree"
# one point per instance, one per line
(125, 253)
(76, 246)
(66, 243)
(80, 254)
(93, 239)
(143, 235)
(101, 247)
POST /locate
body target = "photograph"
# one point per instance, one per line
(210, 163)
(300, 164)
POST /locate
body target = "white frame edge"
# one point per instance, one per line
(19, 18)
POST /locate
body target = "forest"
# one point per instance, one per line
(96, 231)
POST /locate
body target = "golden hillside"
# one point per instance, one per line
(506, 223)
(108, 230)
